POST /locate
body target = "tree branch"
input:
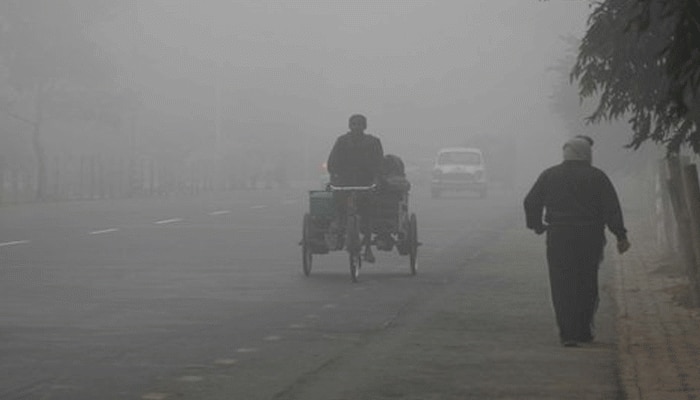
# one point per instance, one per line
(21, 118)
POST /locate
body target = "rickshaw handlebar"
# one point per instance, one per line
(352, 188)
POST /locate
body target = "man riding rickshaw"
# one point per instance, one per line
(364, 205)
(356, 160)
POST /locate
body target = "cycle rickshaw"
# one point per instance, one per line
(393, 227)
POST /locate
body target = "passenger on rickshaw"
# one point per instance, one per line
(356, 160)
(393, 175)
(393, 187)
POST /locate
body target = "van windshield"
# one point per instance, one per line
(459, 157)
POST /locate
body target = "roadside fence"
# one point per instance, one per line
(91, 177)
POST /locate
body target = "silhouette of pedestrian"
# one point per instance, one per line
(578, 201)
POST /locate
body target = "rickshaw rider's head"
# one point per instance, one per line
(357, 123)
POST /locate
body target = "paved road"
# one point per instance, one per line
(203, 298)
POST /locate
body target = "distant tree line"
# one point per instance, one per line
(50, 70)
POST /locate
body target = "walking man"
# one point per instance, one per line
(578, 201)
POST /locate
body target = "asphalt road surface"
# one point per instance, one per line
(204, 297)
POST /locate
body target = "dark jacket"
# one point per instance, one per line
(574, 193)
(355, 160)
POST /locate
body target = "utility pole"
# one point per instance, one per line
(220, 167)
(135, 29)
(217, 94)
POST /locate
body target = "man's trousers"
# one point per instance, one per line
(574, 254)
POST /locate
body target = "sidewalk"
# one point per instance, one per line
(658, 338)
(653, 336)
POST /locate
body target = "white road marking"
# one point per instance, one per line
(225, 361)
(64, 387)
(110, 230)
(297, 326)
(246, 350)
(272, 338)
(190, 378)
(168, 221)
(221, 212)
(14, 243)
(259, 206)
(154, 396)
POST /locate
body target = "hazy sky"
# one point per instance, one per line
(375, 43)
(429, 71)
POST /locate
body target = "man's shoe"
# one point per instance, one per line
(368, 256)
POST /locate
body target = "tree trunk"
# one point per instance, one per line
(680, 210)
(2, 179)
(689, 174)
(40, 155)
(38, 146)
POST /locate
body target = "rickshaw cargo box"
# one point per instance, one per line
(321, 203)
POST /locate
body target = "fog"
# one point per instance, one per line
(274, 82)
(426, 74)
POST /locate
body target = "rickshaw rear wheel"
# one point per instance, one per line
(306, 254)
(413, 243)
(355, 264)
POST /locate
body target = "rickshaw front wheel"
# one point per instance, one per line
(353, 246)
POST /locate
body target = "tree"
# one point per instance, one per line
(640, 59)
(610, 138)
(44, 50)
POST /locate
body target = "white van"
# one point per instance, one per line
(459, 169)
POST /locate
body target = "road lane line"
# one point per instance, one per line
(225, 361)
(168, 221)
(190, 378)
(14, 243)
(154, 396)
(259, 206)
(109, 230)
(247, 350)
(222, 212)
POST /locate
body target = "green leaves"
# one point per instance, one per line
(641, 57)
